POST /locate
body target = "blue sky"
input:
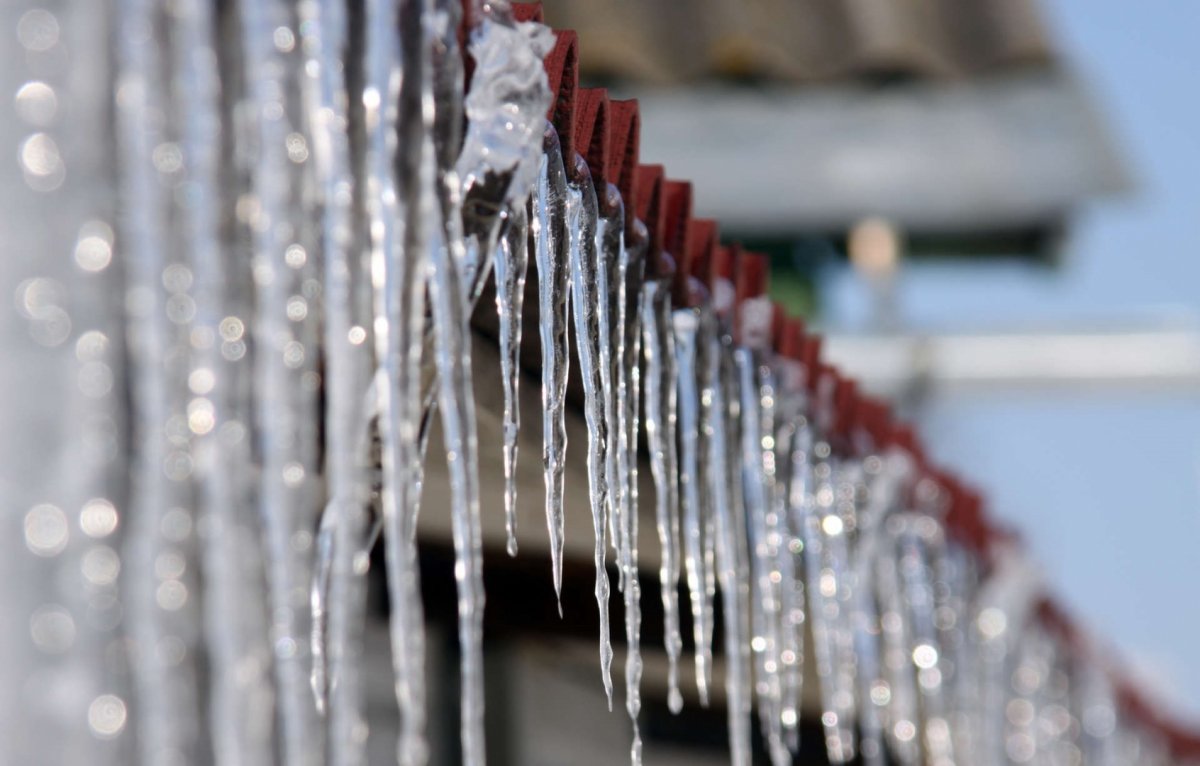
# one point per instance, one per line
(1104, 486)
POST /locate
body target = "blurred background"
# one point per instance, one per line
(990, 208)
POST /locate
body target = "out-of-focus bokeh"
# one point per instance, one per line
(991, 209)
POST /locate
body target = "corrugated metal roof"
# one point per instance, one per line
(669, 41)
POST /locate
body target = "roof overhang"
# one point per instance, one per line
(980, 155)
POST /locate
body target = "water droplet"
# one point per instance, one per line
(297, 147)
(293, 354)
(36, 103)
(167, 158)
(46, 530)
(177, 278)
(169, 565)
(52, 629)
(91, 346)
(295, 256)
(176, 525)
(201, 381)
(297, 308)
(201, 416)
(38, 30)
(98, 519)
(231, 329)
(293, 474)
(101, 565)
(285, 39)
(171, 595)
(106, 716)
(41, 162)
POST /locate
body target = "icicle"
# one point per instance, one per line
(659, 351)
(339, 590)
(730, 547)
(900, 713)
(960, 579)
(1002, 607)
(626, 332)
(622, 454)
(692, 446)
(789, 423)
(284, 333)
(610, 228)
(456, 401)
(829, 575)
(864, 611)
(551, 251)
(399, 258)
(510, 264)
(509, 95)
(162, 613)
(633, 267)
(235, 611)
(505, 108)
(582, 216)
(765, 606)
(917, 533)
(708, 522)
(497, 167)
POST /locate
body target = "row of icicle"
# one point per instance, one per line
(311, 205)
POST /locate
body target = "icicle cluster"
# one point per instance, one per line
(239, 364)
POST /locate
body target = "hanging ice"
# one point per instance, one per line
(160, 491)
(789, 425)
(551, 252)
(285, 337)
(629, 387)
(236, 620)
(828, 575)
(733, 572)
(311, 204)
(398, 248)
(581, 223)
(758, 478)
(658, 341)
(692, 446)
(505, 105)
(510, 264)
(339, 595)
(498, 166)
(610, 228)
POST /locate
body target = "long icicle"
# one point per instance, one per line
(624, 446)
(610, 227)
(551, 252)
(633, 268)
(692, 446)
(498, 168)
(790, 431)
(339, 593)
(735, 591)
(765, 605)
(448, 295)
(509, 266)
(659, 352)
(822, 542)
(582, 216)
(866, 621)
(168, 710)
(285, 360)
(235, 614)
(708, 519)
(399, 258)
